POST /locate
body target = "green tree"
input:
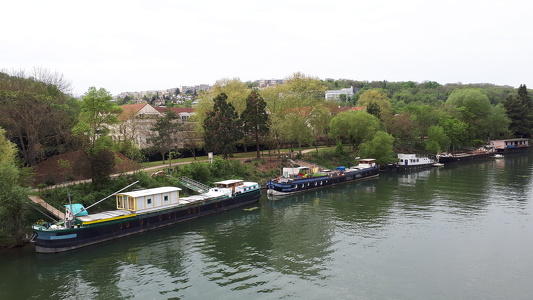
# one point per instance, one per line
(277, 133)
(13, 197)
(424, 116)
(318, 121)
(380, 148)
(373, 98)
(97, 113)
(497, 123)
(236, 93)
(37, 114)
(354, 126)
(437, 140)
(455, 130)
(343, 98)
(222, 127)
(404, 129)
(166, 131)
(255, 118)
(473, 108)
(519, 111)
(373, 109)
(296, 129)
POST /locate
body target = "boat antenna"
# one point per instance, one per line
(71, 210)
(86, 208)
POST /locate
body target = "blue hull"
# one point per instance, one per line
(280, 188)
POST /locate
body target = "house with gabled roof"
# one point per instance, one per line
(137, 121)
(138, 110)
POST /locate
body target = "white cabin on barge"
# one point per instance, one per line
(148, 199)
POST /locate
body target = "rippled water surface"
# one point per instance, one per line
(457, 232)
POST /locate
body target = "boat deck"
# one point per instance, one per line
(118, 214)
(195, 198)
(106, 215)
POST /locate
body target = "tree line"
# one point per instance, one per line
(380, 117)
(39, 118)
(42, 119)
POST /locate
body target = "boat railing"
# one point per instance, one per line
(193, 185)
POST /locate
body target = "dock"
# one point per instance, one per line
(54, 211)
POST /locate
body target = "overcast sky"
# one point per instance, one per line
(126, 46)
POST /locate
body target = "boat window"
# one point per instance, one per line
(166, 198)
(149, 201)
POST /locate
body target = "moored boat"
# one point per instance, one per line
(481, 153)
(301, 179)
(411, 162)
(510, 145)
(139, 211)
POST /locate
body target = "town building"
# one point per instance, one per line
(264, 83)
(137, 120)
(194, 89)
(335, 94)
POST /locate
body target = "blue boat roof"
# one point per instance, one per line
(77, 209)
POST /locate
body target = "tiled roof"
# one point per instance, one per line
(130, 110)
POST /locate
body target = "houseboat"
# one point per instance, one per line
(411, 162)
(301, 179)
(483, 152)
(138, 211)
(510, 145)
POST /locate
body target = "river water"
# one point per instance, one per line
(457, 232)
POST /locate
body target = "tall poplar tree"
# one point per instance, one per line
(519, 110)
(255, 118)
(222, 127)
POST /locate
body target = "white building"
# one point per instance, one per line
(335, 94)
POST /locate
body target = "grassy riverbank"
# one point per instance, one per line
(240, 167)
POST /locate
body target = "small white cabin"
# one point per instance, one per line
(367, 163)
(149, 199)
(292, 172)
(413, 159)
(236, 186)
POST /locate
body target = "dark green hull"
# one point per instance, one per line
(52, 241)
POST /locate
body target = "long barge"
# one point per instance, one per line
(408, 162)
(483, 152)
(301, 179)
(139, 211)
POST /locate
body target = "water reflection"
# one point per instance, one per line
(367, 239)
